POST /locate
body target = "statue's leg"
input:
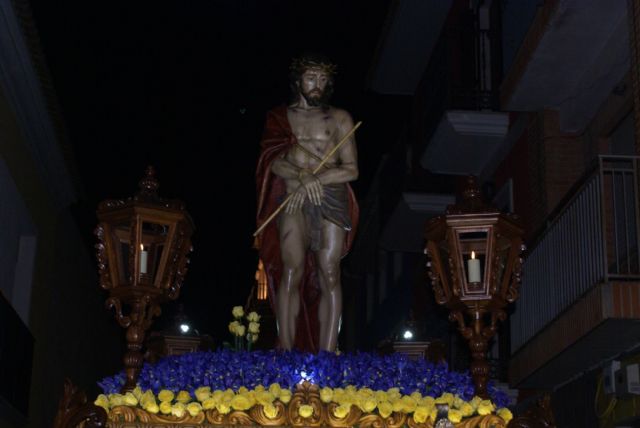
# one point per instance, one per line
(292, 251)
(328, 261)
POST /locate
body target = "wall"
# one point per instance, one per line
(74, 334)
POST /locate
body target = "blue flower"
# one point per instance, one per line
(224, 369)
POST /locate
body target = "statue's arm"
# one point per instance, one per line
(347, 165)
(285, 169)
(288, 171)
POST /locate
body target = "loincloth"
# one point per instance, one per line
(334, 208)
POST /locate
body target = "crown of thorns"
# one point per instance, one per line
(302, 64)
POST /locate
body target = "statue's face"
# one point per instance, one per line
(313, 83)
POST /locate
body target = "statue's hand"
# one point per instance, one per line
(312, 185)
(296, 201)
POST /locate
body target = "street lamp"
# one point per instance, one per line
(474, 267)
(142, 261)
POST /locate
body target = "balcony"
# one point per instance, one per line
(457, 121)
(580, 293)
(573, 56)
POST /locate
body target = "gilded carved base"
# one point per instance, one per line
(129, 417)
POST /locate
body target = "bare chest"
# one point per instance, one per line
(315, 130)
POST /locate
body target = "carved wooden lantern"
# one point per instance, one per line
(142, 261)
(474, 267)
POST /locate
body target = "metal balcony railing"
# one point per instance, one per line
(593, 239)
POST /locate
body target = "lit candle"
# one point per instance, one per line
(473, 268)
(143, 259)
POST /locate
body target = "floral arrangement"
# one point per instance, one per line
(244, 334)
(225, 381)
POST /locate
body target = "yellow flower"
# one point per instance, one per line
(233, 326)
(237, 312)
(240, 329)
(285, 396)
(393, 394)
(305, 411)
(485, 407)
(275, 389)
(137, 392)
(102, 401)
(475, 402)
(458, 402)
(505, 414)
(381, 396)
(347, 397)
(433, 414)
(365, 392)
(326, 394)
(253, 317)
(448, 398)
(147, 398)
(408, 404)
(223, 408)
(194, 408)
(209, 403)
(151, 407)
(397, 405)
(130, 399)
(165, 395)
(427, 401)
(421, 414)
(385, 409)
(165, 407)
(369, 405)
(466, 409)
(227, 395)
(264, 397)
(251, 396)
(341, 411)
(241, 402)
(440, 400)
(183, 397)
(455, 415)
(116, 400)
(259, 388)
(416, 396)
(270, 411)
(217, 395)
(254, 327)
(202, 393)
(178, 409)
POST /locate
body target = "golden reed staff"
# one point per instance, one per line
(315, 171)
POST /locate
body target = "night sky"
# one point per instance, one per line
(185, 86)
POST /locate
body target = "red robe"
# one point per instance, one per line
(278, 139)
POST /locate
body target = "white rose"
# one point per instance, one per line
(254, 327)
(237, 311)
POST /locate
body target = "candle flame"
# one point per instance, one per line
(473, 254)
(141, 247)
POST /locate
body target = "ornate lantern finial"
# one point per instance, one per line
(148, 185)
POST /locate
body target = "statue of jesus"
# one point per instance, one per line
(302, 249)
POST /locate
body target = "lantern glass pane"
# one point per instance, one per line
(445, 255)
(153, 242)
(473, 248)
(121, 239)
(503, 247)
